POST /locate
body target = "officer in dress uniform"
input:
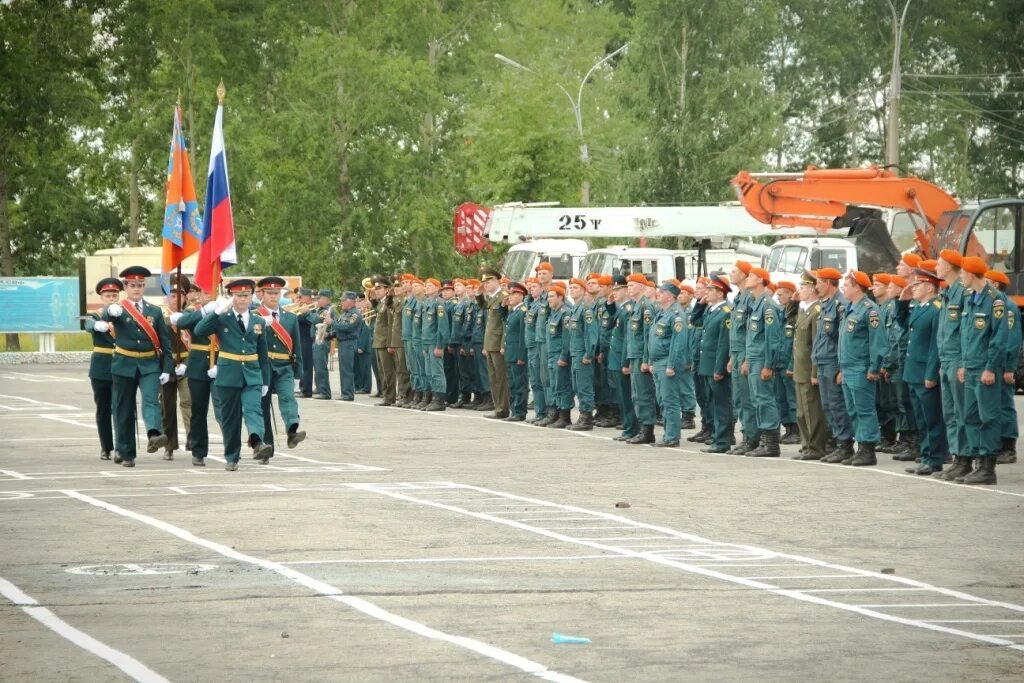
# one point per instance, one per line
(983, 357)
(281, 334)
(1008, 409)
(346, 329)
(809, 412)
(100, 361)
(688, 374)
(764, 344)
(492, 300)
(306, 334)
(534, 350)
(141, 363)
(411, 339)
(584, 336)
(200, 372)
(825, 355)
(243, 370)
(482, 382)
(323, 314)
(514, 352)
(742, 407)
(668, 346)
(468, 379)
(434, 335)
(463, 388)
(382, 331)
(713, 315)
(175, 392)
(862, 344)
(921, 367)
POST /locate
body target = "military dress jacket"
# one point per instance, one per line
(921, 363)
(102, 350)
(134, 350)
(242, 360)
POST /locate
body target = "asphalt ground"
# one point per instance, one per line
(398, 545)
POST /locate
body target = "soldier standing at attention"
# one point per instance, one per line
(700, 389)
(306, 333)
(324, 314)
(1008, 411)
(411, 339)
(382, 340)
(285, 362)
(952, 390)
(584, 335)
(482, 385)
(983, 356)
(434, 333)
(605, 311)
(396, 345)
(688, 374)
(243, 370)
(557, 345)
(785, 389)
(346, 329)
(885, 398)
(668, 353)
(763, 345)
(514, 352)
(742, 407)
(617, 362)
(636, 367)
(463, 390)
(825, 355)
(451, 351)
(142, 362)
(364, 360)
(200, 372)
(908, 445)
(713, 316)
(99, 365)
(545, 274)
(921, 371)
(492, 300)
(535, 354)
(862, 344)
(809, 412)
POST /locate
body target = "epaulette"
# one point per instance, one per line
(727, 309)
(937, 303)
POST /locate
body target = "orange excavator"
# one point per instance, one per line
(825, 198)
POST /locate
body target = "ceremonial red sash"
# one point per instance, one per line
(129, 307)
(278, 328)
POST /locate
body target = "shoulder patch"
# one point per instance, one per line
(678, 325)
(937, 303)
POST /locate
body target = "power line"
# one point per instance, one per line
(990, 93)
(1009, 74)
(997, 118)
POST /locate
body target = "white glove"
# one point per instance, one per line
(264, 391)
(101, 325)
(180, 370)
(175, 317)
(164, 378)
(212, 372)
(209, 308)
(223, 305)
(114, 310)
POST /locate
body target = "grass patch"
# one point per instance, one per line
(66, 341)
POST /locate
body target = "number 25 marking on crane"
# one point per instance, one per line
(577, 222)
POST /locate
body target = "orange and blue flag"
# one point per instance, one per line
(183, 225)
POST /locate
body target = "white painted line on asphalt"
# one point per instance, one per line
(364, 606)
(14, 475)
(929, 604)
(443, 560)
(805, 576)
(36, 405)
(975, 621)
(178, 489)
(126, 663)
(803, 595)
(74, 423)
(53, 438)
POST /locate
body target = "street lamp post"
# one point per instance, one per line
(892, 133)
(576, 110)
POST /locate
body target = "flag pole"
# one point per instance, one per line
(221, 92)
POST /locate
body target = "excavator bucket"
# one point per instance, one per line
(869, 233)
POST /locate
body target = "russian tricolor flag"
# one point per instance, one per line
(217, 250)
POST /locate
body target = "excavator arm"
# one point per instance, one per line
(816, 197)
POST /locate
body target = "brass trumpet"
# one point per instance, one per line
(299, 309)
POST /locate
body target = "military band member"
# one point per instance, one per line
(175, 392)
(714, 317)
(346, 328)
(364, 364)
(668, 353)
(141, 363)
(809, 412)
(100, 362)
(306, 334)
(434, 333)
(201, 370)
(281, 333)
(243, 370)
(497, 372)
(514, 352)
(382, 331)
(324, 315)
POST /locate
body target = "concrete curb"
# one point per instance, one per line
(37, 357)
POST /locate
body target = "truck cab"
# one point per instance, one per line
(565, 255)
(787, 258)
(660, 264)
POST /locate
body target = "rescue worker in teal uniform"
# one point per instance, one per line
(284, 354)
(1008, 449)
(618, 363)
(434, 333)
(100, 361)
(557, 344)
(584, 336)
(243, 370)
(764, 344)
(948, 268)
(201, 371)
(668, 347)
(700, 388)
(323, 314)
(907, 446)
(983, 335)
(688, 374)
(714, 316)
(535, 353)
(514, 352)
(142, 362)
(605, 415)
(636, 367)
(888, 406)
(785, 387)
(862, 344)
(483, 380)
(346, 328)
(544, 272)
(463, 389)
(742, 407)
(921, 367)
(825, 356)
(410, 340)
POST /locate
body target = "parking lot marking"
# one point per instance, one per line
(125, 662)
(364, 606)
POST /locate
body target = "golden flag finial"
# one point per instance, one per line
(220, 93)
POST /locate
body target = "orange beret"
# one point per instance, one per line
(744, 266)
(408, 276)
(997, 276)
(557, 288)
(771, 287)
(702, 280)
(912, 260)
(786, 284)
(883, 278)
(761, 273)
(605, 280)
(458, 281)
(860, 277)
(974, 265)
(433, 281)
(592, 276)
(951, 257)
(828, 274)
(472, 282)
(928, 265)
(577, 281)
(544, 266)
(637, 277)
(687, 287)
(504, 280)
(898, 281)
(532, 281)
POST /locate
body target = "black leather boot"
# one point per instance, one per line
(550, 418)
(563, 420)
(769, 446)
(865, 456)
(688, 422)
(585, 423)
(644, 436)
(486, 403)
(985, 473)
(438, 403)
(792, 435)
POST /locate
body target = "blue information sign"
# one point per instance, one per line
(39, 304)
